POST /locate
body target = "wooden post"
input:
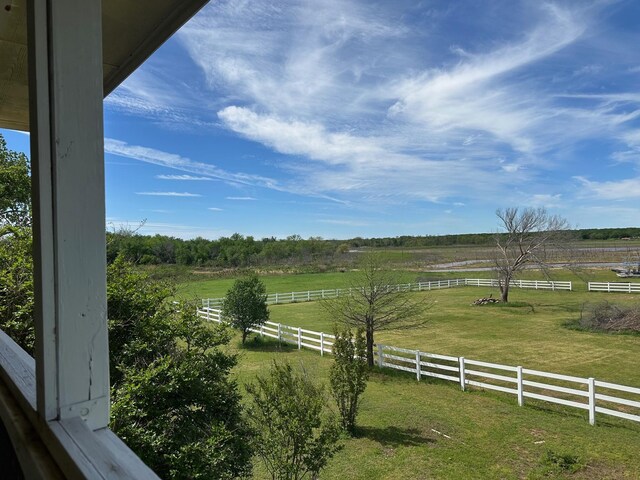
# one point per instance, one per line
(592, 401)
(276, 298)
(520, 386)
(418, 366)
(321, 344)
(67, 152)
(462, 375)
(280, 332)
(299, 338)
(380, 356)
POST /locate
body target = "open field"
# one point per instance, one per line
(490, 437)
(531, 333)
(207, 287)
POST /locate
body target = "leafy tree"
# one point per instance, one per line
(349, 374)
(16, 261)
(529, 236)
(294, 438)
(245, 305)
(15, 188)
(16, 286)
(182, 413)
(373, 305)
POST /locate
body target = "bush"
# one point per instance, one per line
(609, 317)
(348, 375)
(294, 437)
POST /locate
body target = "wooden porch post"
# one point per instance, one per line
(65, 101)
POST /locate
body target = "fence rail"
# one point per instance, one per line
(614, 287)
(313, 295)
(588, 394)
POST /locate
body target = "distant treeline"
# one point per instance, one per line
(240, 251)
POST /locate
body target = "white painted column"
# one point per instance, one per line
(321, 344)
(418, 366)
(65, 99)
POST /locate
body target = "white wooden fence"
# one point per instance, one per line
(614, 287)
(312, 295)
(588, 394)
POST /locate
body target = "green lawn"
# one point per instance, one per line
(533, 336)
(487, 435)
(490, 436)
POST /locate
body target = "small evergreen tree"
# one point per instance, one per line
(349, 374)
(245, 305)
(293, 437)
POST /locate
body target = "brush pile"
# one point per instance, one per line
(486, 301)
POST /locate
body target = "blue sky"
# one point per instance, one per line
(360, 118)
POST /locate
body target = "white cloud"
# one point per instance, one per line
(627, 189)
(215, 209)
(169, 194)
(241, 198)
(172, 160)
(183, 177)
(546, 200)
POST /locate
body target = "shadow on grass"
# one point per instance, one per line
(257, 344)
(394, 436)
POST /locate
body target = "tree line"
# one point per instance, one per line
(246, 251)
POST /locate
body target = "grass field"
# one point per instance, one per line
(490, 436)
(432, 430)
(207, 287)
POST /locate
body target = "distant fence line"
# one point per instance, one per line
(589, 394)
(312, 295)
(617, 287)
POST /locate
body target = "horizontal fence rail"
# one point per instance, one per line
(589, 394)
(313, 295)
(617, 287)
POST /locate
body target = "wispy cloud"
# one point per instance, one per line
(183, 177)
(375, 105)
(178, 162)
(215, 209)
(625, 189)
(241, 198)
(169, 194)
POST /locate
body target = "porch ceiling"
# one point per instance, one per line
(131, 31)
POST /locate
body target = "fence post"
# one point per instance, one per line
(299, 338)
(293, 297)
(261, 331)
(592, 401)
(462, 377)
(418, 369)
(520, 386)
(323, 293)
(380, 356)
(322, 344)
(276, 298)
(280, 332)
(308, 295)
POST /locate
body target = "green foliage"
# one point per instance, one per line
(173, 401)
(182, 413)
(16, 286)
(245, 305)
(557, 463)
(349, 374)
(15, 188)
(294, 438)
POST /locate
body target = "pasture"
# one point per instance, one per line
(430, 429)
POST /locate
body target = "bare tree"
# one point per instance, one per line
(374, 302)
(529, 236)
